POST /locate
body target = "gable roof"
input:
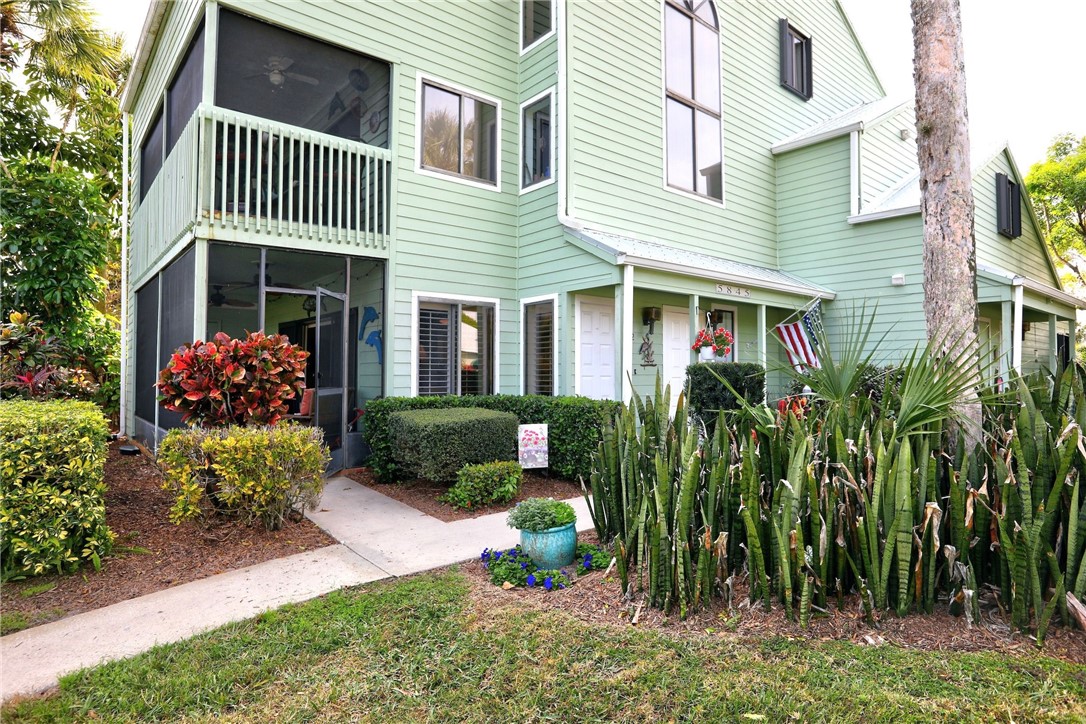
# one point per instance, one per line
(655, 255)
(854, 119)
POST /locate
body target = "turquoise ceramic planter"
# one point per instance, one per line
(551, 548)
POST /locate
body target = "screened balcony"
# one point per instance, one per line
(292, 143)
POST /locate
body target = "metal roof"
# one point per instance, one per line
(854, 119)
(656, 255)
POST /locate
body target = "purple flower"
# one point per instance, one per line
(485, 555)
(561, 586)
(548, 583)
(523, 565)
(531, 580)
(497, 556)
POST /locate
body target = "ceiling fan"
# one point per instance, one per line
(218, 299)
(277, 70)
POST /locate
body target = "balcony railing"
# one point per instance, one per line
(168, 210)
(234, 176)
(270, 178)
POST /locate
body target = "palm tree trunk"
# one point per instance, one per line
(942, 133)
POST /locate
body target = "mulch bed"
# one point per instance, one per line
(423, 495)
(598, 600)
(150, 552)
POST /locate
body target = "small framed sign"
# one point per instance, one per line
(532, 446)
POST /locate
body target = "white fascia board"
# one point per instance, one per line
(884, 214)
(826, 135)
(1052, 293)
(694, 271)
(148, 35)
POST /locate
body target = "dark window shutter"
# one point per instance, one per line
(1008, 207)
(786, 54)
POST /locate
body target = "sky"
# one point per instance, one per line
(1023, 63)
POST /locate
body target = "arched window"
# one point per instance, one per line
(692, 80)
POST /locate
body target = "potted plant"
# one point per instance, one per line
(710, 344)
(548, 531)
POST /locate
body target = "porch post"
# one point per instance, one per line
(695, 323)
(1053, 358)
(1005, 341)
(1016, 335)
(199, 316)
(626, 330)
(126, 319)
(211, 46)
(762, 349)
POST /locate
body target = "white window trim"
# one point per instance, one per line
(420, 80)
(715, 203)
(553, 299)
(520, 143)
(442, 298)
(542, 38)
(735, 323)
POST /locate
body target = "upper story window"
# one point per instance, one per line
(537, 21)
(280, 75)
(458, 134)
(537, 150)
(796, 61)
(1008, 207)
(692, 79)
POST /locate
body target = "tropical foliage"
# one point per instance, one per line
(855, 496)
(233, 381)
(52, 508)
(263, 474)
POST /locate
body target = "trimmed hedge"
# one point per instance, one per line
(574, 426)
(485, 484)
(52, 486)
(436, 444)
(708, 395)
(256, 473)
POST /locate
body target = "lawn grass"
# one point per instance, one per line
(414, 650)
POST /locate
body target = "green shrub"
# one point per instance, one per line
(536, 514)
(52, 483)
(436, 444)
(708, 395)
(574, 426)
(256, 473)
(485, 484)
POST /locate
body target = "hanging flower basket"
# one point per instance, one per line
(713, 344)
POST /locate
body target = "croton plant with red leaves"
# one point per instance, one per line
(233, 381)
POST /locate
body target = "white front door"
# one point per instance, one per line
(676, 350)
(596, 350)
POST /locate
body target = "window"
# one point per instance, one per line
(536, 18)
(539, 340)
(692, 79)
(796, 61)
(459, 134)
(185, 91)
(151, 156)
(537, 144)
(456, 349)
(1008, 207)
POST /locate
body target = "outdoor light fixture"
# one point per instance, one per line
(650, 316)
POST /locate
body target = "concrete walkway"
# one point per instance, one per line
(378, 538)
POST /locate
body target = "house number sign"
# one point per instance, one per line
(733, 291)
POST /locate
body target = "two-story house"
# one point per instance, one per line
(532, 196)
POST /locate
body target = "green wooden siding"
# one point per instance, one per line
(856, 261)
(1024, 255)
(885, 157)
(617, 129)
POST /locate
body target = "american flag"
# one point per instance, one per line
(801, 338)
